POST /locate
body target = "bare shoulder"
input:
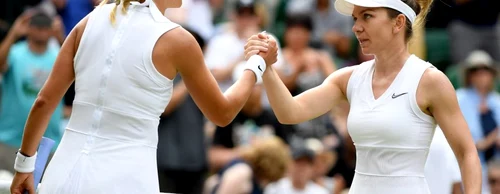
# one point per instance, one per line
(341, 77)
(435, 86)
(177, 51)
(177, 39)
(434, 80)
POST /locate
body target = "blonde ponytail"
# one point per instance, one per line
(425, 7)
(112, 15)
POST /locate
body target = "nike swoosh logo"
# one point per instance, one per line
(394, 96)
(259, 68)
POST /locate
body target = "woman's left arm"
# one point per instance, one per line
(60, 79)
(443, 105)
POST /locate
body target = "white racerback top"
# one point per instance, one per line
(391, 134)
(109, 145)
(115, 76)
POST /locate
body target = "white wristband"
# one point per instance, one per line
(25, 164)
(256, 64)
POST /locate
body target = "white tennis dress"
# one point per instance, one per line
(391, 134)
(109, 146)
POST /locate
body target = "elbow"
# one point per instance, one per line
(285, 120)
(40, 102)
(223, 119)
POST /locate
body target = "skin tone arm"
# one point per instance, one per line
(50, 95)
(236, 180)
(20, 28)
(309, 104)
(180, 50)
(439, 95)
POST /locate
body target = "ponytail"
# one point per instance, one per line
(425, 7)
(421, 8)
(112, 15)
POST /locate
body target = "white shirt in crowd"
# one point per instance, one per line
(285, 186)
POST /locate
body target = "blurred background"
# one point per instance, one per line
(460, 37)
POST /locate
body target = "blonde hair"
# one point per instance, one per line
(269, 158)
(125, 3)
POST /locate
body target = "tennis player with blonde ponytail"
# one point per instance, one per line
(396, 101)
(123, 58)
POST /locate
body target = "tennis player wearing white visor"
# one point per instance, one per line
(395, 100)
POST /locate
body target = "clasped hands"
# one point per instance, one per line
(264, 45)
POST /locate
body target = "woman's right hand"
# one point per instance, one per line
(23, 182)
(263, 45)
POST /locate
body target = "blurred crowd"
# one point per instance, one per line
(461, 38)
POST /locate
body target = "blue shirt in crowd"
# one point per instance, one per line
(23, 80)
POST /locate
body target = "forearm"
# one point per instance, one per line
(280, 98)
(238, 94)
(4, 50)
(179, 95)
(470, 168)
(222, 74)
(36, 124)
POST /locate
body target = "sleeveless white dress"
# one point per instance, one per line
(391, 134)
(109, 146)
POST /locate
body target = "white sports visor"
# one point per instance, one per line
(346, 7)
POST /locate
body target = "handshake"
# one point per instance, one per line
(261, 51)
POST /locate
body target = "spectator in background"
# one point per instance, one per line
(494, 176)
(10, 10)
(196, 15)
(480, 105)
(305, 68)
(253, 122)
(332, 29)
(474, 28)
(324, 162)
(300, 175)
(72, 11)
(441, 170)
(262, 163)
(181, 153)
(25, 66)
(225, 50)
(225, 57)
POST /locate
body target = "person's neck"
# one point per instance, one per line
(390, 60)
(299, 185)
(37, 48)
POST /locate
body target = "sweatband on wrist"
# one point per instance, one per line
(256, 64)
(25, 164)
